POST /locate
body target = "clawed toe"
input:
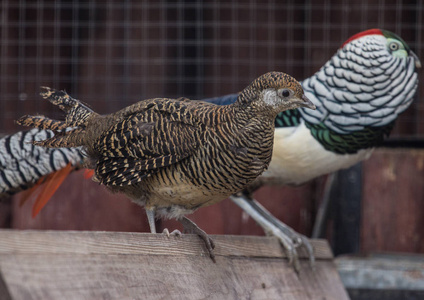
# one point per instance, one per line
(166, 232)
(175, 232)
(292, 242)
(191, 227)
(305, 243)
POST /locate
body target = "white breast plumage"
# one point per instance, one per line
(298, 157)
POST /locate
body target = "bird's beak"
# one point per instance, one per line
(416, 59)
(307, 103)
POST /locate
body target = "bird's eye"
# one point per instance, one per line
(285, 93)
(393, 46)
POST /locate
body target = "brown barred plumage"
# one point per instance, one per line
(175, 155)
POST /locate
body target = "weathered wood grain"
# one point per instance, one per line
(99, 265)
(164, 277)
(4, 292)
(92, 242)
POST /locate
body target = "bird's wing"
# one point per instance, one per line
(144, 142)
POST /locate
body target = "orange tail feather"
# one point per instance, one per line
(35, 190)
(88, 173)
(32, 192)
(50, 188)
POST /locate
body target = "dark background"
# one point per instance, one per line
(113, 53)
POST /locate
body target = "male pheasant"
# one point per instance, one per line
(23, 167)
(359, 93)
(173, 156)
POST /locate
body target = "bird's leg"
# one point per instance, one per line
(272, 226)
(323, 210)
(269, 228)
(150, 212)
(298, 239)
(191, 227)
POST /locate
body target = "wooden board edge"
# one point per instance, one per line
(100, 242)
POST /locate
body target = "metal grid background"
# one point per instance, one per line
(112, 53)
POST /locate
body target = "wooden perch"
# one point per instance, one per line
(117, 265)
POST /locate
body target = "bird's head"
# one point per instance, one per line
(371, 79)
(275, 92)
(389, 43)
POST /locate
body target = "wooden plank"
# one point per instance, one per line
(388, 276)
(385, 272)
(4, 292)
(164, 277)
(91, 242)
(392, 204)
(98, 265)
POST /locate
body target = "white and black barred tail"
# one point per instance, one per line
(68, 133)
(22, 164)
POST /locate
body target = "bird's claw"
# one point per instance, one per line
(292, 241)
(210, 245)
(289, 246)
(191, 227)
(297, 241)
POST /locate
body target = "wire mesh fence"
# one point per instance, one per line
(113, 53)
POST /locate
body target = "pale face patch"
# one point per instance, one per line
(270, 97)
(396, 48)
(277, 99)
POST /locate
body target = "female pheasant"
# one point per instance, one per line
(173, 156)
(359, 93)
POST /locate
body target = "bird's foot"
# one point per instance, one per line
(191, 227)
(292, 242)
(289, 239)
(175, 232)
(298, 240)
